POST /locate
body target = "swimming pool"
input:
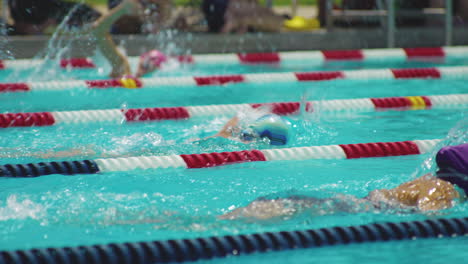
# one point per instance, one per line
(160, 204)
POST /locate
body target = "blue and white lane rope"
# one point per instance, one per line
(189, 250)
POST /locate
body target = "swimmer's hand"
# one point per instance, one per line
(260, 210)
(228, 128)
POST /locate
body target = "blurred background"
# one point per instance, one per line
(40, 17)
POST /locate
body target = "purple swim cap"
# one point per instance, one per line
(453, 165)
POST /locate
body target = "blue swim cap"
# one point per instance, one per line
(270, 126)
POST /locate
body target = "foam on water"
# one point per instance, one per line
(14, 209)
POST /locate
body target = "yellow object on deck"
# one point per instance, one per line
(301, 23)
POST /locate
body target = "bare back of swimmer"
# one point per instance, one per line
(424, 194)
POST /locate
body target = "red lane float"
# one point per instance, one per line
(185, 58)
(318, 76)
(152, 114)
(343, 55)
(250, 58)
(424, 52)
(218, 80)
(123, 82)
(416, 73)
(284, 108)
(14, 87)
(77, 63)
(427, 101)
(368, 150)
(195, 161)
(391, 102)
(26, 119)
(104, 83)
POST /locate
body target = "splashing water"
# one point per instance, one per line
(57, 47)
(16, 209)
(456, 136)
(5, 53)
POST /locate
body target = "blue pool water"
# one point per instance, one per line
(140, 205)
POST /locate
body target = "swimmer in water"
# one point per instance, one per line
(257, 125)
(246, 127)
(425, 194)
(149, 61)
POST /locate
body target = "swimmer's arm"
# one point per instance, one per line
(118, 61)
(82, 152)
(260, 210)
(101, 28)
(85, 151)
(88, 151)
(226, 131)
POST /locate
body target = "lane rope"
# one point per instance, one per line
(456, 72)
(206, 160)
(187, 112)
(317, 57)
(204, 248)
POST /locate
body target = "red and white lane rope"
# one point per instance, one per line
(205, 160)
(186, 112)
(274, 57)
(348, 151)
(459, 72)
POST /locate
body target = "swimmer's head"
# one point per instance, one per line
(270, 126)
(453, 165)
(150, 61)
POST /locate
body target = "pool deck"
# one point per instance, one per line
(199, 43)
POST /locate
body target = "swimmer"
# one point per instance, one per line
(149, 61)
(425, 194)
(246, 127)
(255, 126)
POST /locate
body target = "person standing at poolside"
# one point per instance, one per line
(157, 15)
(425, 194)
(239, 16)
(32, 17)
